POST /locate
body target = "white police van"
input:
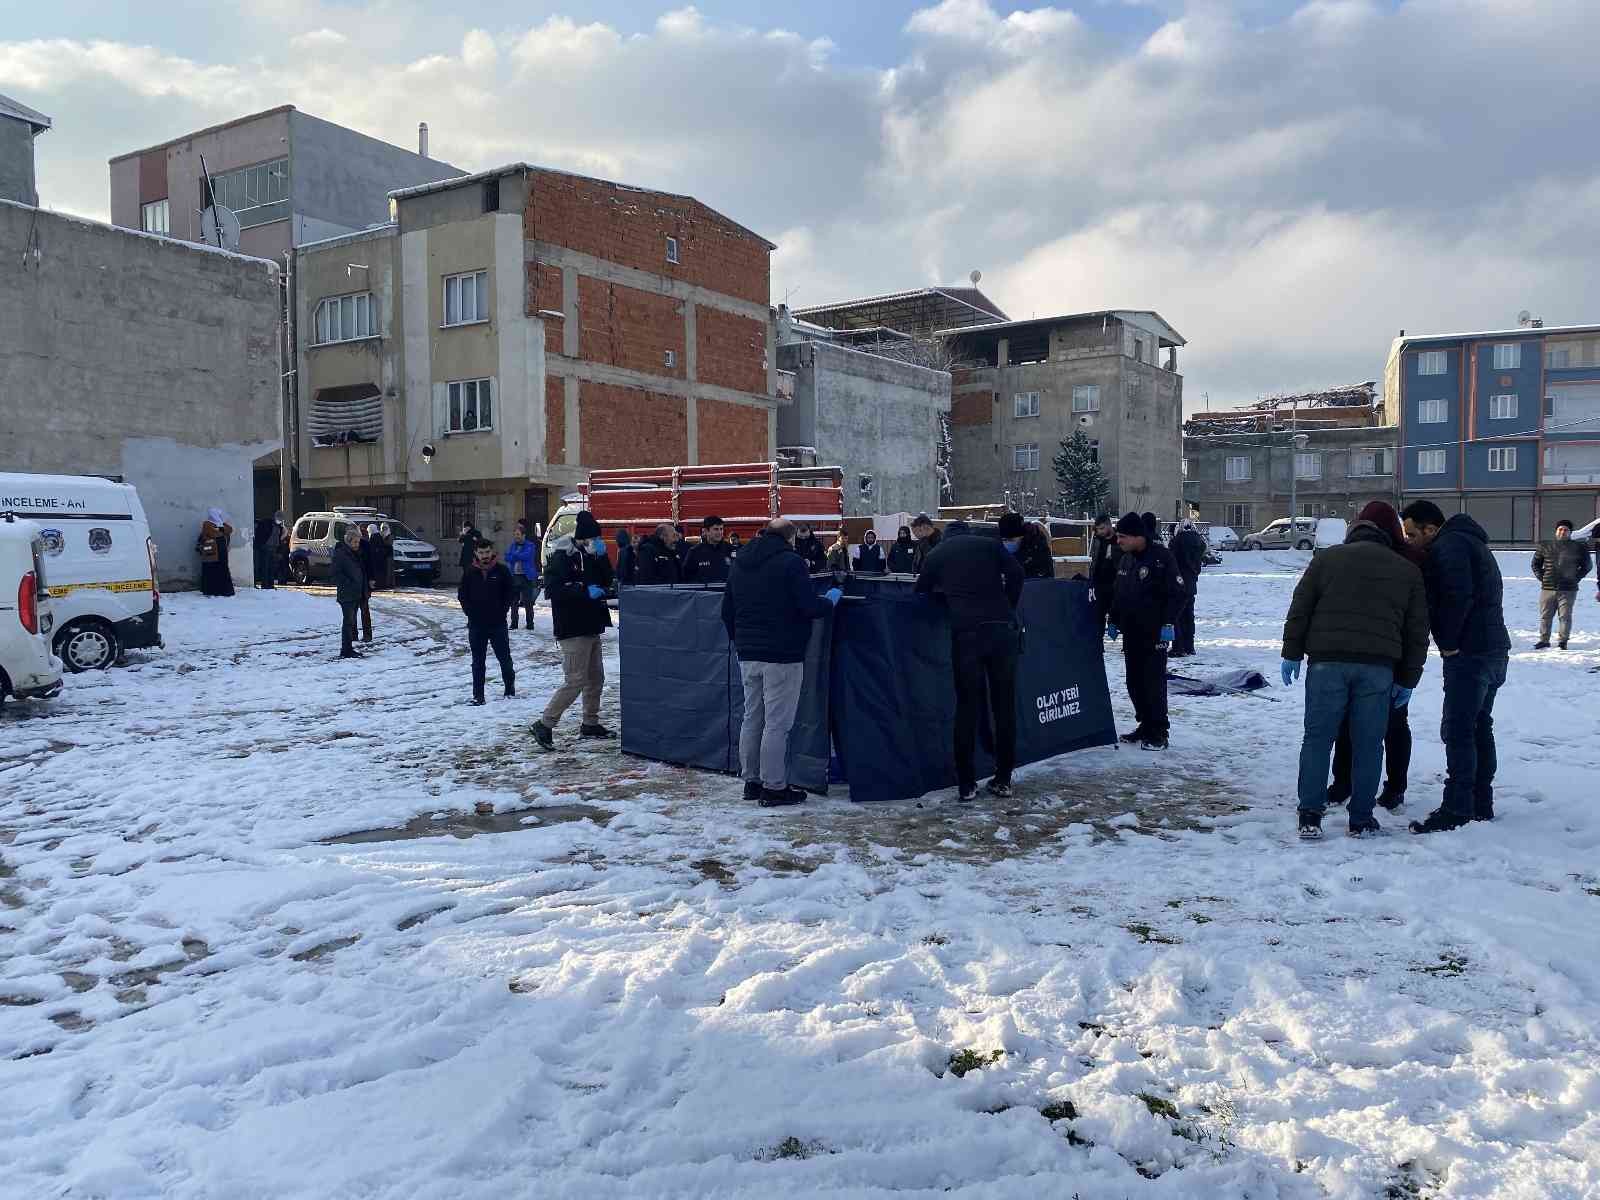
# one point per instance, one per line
(27, 668)
(101, 563)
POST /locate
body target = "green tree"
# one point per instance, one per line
(1083, 485)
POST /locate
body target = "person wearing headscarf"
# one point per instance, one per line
(269, 531)
(216, 532)
(869, 558)
(903, 554)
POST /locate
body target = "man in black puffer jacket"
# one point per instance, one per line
(1466, 610)
(485, 594)
(658, 556)
(577, 578)
(1189, 549)
(1560, 566)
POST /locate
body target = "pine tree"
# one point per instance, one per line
(1083, 485)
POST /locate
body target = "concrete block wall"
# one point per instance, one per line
(16, 162)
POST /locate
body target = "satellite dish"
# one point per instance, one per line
(1524, 317)
(975, 276)
(1086, 421)
(220, 227)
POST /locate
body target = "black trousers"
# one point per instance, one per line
(1184, 642)
(985, 659)
(366, 615)
(1396, 755)
(347, 635)
(266, 566)
(479, 639)
(1146, 662)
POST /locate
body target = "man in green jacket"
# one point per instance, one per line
(1360, 613)
(1559, 565)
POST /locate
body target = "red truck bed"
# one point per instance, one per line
(745, 495)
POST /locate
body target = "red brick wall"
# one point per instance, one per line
(972, 408)
(730, 351)
(545, 294)
(631, 226)
(555, 420)
(624, 327)
(629, 427)
(731, 433)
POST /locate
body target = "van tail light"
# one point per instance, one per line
(28, 602)
(155, 587)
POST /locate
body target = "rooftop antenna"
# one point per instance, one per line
(1524, 318)
(975, 276)
(217, 224)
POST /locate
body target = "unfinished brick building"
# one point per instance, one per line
(508, 331)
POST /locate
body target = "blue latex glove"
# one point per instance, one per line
(596, 592)
(1112, 632)
(1291, 672)
(833, 595)
(1168, 634)
(1401, 695)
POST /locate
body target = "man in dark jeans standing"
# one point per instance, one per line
(1469, 627)
(350, 586)
(1189, 551)
(981, 582)
(1149, 596)
(485, 594)
(1559, 565)
(1103, 567)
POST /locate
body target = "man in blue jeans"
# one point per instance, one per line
(1360, 613)
(1465, 607)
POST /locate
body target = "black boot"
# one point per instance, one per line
(594, 731)
(478, 699)
(788, 796)
(1439, 821)
(511, 690)
(752, 790)
(544, 735)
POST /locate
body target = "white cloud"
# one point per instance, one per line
(319, 41)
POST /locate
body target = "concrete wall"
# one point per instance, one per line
(144, 358)
(16, 162)
(868, 415)
(1337, 494)
(341, 178)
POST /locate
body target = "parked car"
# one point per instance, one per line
(1222, 537)
(1587, 533)
(1277, 535)
(103, 588)
(28, 670)
(1330, 532)
(314, 536)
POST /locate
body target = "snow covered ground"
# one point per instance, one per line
(1130, 980)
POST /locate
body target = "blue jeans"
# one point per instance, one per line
(1471, 682)
(1335, 690)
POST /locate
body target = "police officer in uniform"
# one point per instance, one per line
(1150, 593)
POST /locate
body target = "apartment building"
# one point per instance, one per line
(1502, 424)
(1020, 388)
(514, 329)
(19, 125)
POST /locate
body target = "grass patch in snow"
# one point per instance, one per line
(1158, 1106)
(791, 1147)
(963, 1061)
(1147, 934)
(1448, 964)
(1059, 1110)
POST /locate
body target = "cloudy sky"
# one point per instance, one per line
(1288, 183)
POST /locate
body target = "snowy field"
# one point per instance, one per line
(1131, 980)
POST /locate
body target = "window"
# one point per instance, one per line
(346, 318)
(256, 194)
(1558, 359)
(1238, 515)
(1507, 356)
(1025, 404)
(1186, 468)
(1370, 462)
(319, 530)
(153, 217)
(1502, 408)
(1308, 465)
(672, 249)
(1086, 397)
(491, 195)
(671, 358)
(1430, 462)
(1433, 412)
(466, 298)
(1503, 458)
(1433, 362)
(1025, 457)
(471, 410)
(1236, 470)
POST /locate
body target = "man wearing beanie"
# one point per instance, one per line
(1150, 592)
(577, 577)
(1559, 565)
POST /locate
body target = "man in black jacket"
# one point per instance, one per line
(350, 587)
(809, 547)
(1145, 605)
(1032, 546)
(1466, 610)
(1103, 557)
(657, 556)
(1559, 565)
(269, 531)
(1189, 552)
(767, 609)
(928, 537)
(709, 561)
(485, 594)
(869, 558)
(469, 539)
(980, 581)
(577, 576)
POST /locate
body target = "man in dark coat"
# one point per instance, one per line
(1145, 605)
(1189, 551)
(268, 533)
(658, 556)
(469, 539)
(1466, 610)
(709, 561)
(928, 538)
(1152, 526)
(809, 547)
(627, 559)
(577, 577)
(980, 582)
(1559, 565)
(350, 588)
(1103, 556)
(485, 594)
(767, 609)
(1360, 614)
(903, 554)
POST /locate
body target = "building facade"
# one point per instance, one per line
(1504, 425)
(1020, 388)
(19, 125)
(513, 330)
(146, 360)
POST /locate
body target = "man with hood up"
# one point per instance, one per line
(577, 576)
(903, 554)
(869, 556)
(1466, 610)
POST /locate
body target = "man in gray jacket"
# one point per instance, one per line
(1559, 565)
(350, 582)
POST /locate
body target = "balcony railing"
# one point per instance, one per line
(1558, 475)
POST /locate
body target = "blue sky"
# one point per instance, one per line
(1288, 182)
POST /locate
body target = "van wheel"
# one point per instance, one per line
(1303, 544)
(300, 571)
(1252, 545)
(87, 646)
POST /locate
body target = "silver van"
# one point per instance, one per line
(1277, 535)
(314, 536)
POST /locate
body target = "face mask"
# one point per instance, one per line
(1012, 544)
(598, 545)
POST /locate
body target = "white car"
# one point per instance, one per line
(1330, 532)
(27, 668)
(1587, 533)
(1222, 537)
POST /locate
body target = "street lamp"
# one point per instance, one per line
(1296, 442)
